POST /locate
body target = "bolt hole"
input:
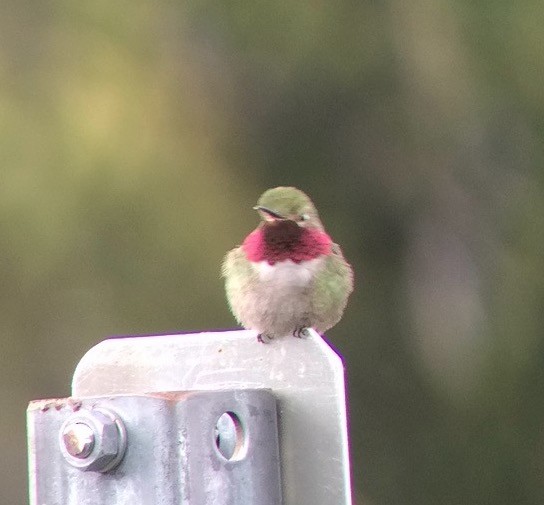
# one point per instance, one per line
(230, 437)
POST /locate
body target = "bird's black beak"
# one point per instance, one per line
(270, 212)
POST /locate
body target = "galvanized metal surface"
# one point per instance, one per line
(172, 456)
(305, 375)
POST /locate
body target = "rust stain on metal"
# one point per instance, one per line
(56, 403)
(172, 396)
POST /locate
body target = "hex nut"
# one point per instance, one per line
(108, 440)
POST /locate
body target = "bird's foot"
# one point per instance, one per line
(301, 332)
(263, 338)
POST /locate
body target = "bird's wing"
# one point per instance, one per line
(332, 286)
(239, 276)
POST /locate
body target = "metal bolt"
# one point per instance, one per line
(93, 440)
(78, 439)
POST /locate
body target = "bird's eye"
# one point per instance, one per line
(304, 217)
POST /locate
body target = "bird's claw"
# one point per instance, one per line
(301, 332)
(263, 338)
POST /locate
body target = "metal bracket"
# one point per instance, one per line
(215, 443)
(181, 448)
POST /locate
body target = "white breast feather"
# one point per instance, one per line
(288, 273)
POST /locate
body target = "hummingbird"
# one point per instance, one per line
(288, 275)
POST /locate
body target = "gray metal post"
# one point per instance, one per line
(209, 418)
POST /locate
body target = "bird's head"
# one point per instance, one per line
(288, 204)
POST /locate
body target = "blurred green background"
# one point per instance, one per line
(136, 136)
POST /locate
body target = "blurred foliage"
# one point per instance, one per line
(136, 136)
